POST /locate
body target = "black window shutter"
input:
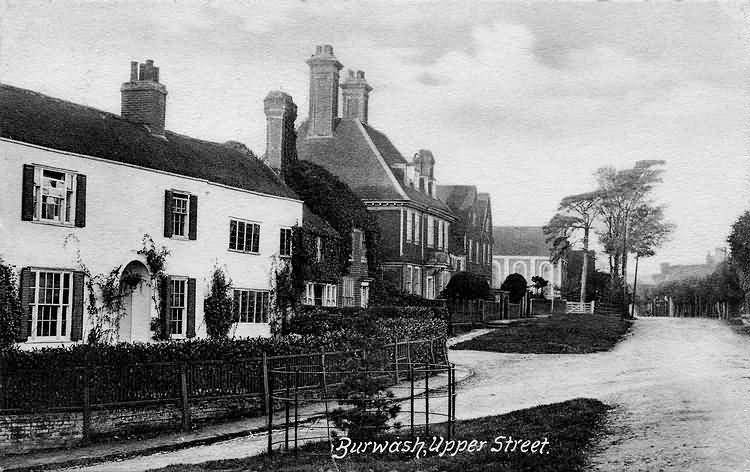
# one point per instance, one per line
(193, 229)
(27, 193)
(28, 283)
(164, 295)
(76, 319)
(190, 332)
(80, 200)
(167, 214)
(406, 216)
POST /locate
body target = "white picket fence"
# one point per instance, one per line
(579, 307)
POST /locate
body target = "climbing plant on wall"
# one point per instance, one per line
(336, 202)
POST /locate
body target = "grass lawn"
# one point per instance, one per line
(569, 428)
(552, 335)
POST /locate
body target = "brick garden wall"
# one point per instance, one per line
(21, 433)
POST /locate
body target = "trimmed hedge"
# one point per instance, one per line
(346, 333)
(403, 322)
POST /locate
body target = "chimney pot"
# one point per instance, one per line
(144, 98)
(324, 91)
(355, 96)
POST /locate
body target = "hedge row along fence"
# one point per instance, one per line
(311, 332)
(53, 377)
(142, 393)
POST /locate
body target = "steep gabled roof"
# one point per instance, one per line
(41, 120)
(385, 146)
(519, 241)
(362, 158)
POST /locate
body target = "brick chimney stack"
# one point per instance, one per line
(144, 99)
(281, 138)
(355, 94)
(324, 91)
(424, 161)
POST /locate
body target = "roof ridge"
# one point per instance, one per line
(67, 102)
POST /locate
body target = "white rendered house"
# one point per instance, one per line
(82, 187)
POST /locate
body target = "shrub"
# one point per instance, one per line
(384, 293)
(11, 313)
(516, 285)
(467, 286)
(391, 323)
(217, 308)
(368, 404)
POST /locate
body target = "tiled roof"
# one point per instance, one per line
(385, 146)
(520, 241)
(35, 118)
(349, 156)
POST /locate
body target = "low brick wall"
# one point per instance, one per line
(27, 432)
(21, 433)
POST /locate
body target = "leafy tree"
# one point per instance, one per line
(575, 218)
(218, 306)
(516, 285)
(622, 193)
(739, 247)
(648, 231)
(466, 286)
(539, 282)
(11, 313)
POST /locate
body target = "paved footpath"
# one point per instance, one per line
(681, 388)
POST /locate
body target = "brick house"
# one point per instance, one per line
(524, 250)
(80, 181)
(414, 222)
(326, 286)
(470, 237)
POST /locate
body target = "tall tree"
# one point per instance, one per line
(622, 192)
(575, 219)
(739, 250)
(648, 232)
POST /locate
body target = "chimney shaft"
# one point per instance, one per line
(324, 91)
(144, 99)
(355, 93)
(281, 138)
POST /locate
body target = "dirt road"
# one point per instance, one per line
(681, 387)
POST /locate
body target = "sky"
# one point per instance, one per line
(524, 100)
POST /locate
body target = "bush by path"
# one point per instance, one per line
(553, 335)
(569, 428)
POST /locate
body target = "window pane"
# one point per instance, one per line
(232, 234)
(256, 238)
(242, 229)
(246, 307)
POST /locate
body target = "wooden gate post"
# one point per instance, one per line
(184, 397)
(266, 392)
(86, 406)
